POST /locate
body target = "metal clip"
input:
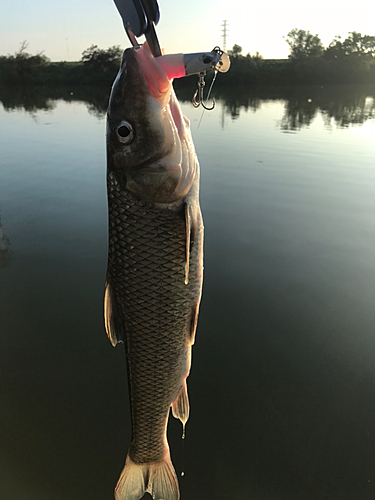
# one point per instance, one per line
(139, 18)
(201, 84)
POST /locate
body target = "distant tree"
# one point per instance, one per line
(23, 46)
(257, 57)
(236, 51)
(32, 61)
(102, 60)
(303, 44)
(357, 44)
(335, 49)
(23, 67)
(354, 45)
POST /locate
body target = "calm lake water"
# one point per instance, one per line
(282, 387)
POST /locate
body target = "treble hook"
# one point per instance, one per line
(201, 84)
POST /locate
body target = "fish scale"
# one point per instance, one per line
(146, 272)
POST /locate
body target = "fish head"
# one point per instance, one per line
(150, 151)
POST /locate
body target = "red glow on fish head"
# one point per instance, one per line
(156, 78)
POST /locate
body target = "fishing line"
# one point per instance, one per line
(208, 95)
(183, 453)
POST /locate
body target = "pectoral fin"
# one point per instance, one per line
(112, 317)
(193, 322)
(180, 406)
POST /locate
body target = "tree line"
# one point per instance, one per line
(348, 60)
(96, 66)
(344, 60)
(303, 44)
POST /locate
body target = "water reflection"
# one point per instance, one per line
(339, 106)
(4, 248)
(354, 112)
(298, 113)
(32, 99)
(289, 271)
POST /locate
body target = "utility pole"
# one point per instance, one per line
(224, 35)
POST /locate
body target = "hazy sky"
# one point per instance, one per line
(63, 29)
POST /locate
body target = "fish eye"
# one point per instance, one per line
(125, 132)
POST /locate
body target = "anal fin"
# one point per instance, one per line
(180, 406)
(112, 317)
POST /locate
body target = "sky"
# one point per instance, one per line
(63, 29)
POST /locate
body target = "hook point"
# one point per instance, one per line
(207, 107)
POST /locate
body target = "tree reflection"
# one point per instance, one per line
(30, 99)
(340, 105)
(298, 113)
(33, 99)
(344, 114)
(234, 105)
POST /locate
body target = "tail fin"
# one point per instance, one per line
(133, 481)
(159, 479)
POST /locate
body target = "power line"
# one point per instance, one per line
(224, 35)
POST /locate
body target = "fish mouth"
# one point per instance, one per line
(156, 79)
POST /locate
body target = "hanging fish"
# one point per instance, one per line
(155, 262)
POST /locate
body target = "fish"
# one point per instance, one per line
(155, 263)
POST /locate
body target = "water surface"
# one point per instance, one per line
(282, 385)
